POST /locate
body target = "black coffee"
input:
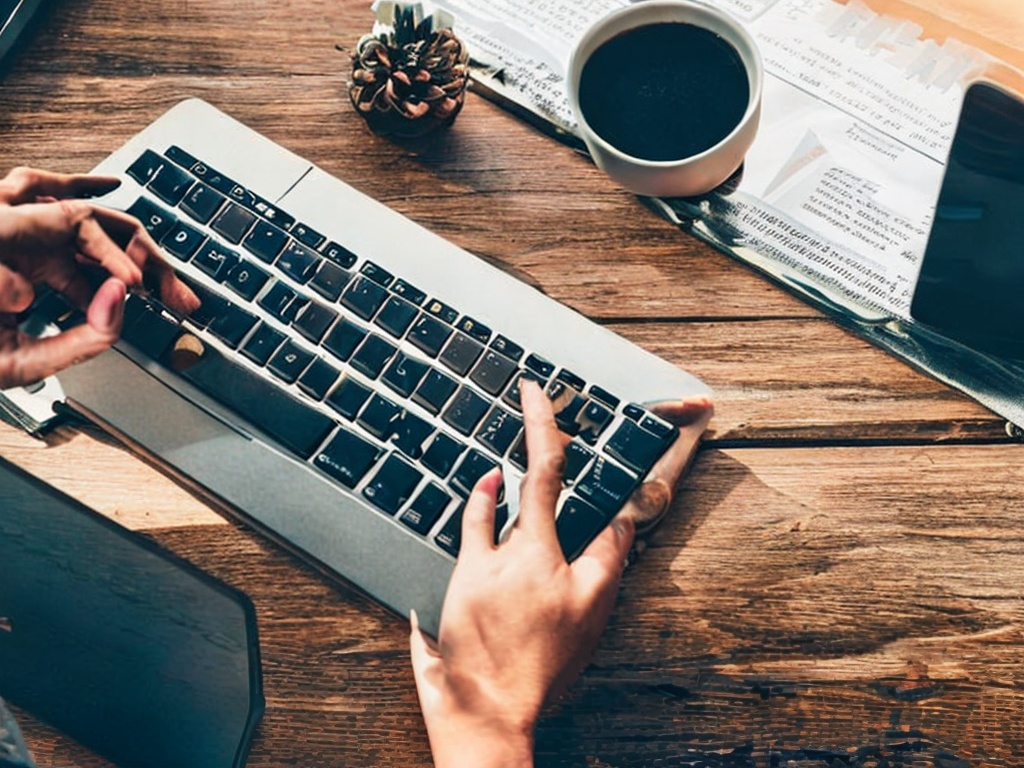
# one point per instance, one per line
(664, 91)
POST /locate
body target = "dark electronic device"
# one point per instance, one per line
(15, 16)
(135, 653)
(971, 285)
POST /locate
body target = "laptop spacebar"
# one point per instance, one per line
(282, 417)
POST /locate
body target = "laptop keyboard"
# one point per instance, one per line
(393, 394)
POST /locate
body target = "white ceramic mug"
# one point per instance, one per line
(685, 176)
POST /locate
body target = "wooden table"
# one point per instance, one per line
(840, 578)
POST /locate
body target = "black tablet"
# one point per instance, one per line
(971, 284)
(133, 652)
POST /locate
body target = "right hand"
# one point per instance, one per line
(48, 236)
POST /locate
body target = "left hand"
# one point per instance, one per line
(49, 236)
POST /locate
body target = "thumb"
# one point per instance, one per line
(426, 664)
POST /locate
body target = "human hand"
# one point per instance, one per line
(519, 623)
(49, 237)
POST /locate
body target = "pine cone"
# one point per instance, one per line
(409, 81)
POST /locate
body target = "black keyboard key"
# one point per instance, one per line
(442, 311)
(364, 297)
(215, 179)
(606, 485)
(662, 429)
(182, 240)
(429, 334)
(426, 509)
(298, 262)
(577, 525)
(233, 222)
(340, 255)
(635, 447)
(144, 169)
(265, 241)
(330, 280)
(181, 157)
(171, 183)
(282, 302)
(393, 485)
(493, 372)
(461, 353)
(232, 324)
(517, 456)
(264, 404)
(409, 432)
(343, 339)
(441, 454)
(593, 420)
(474, 329)
(604, 396)
(147, 328)
(348, 397)
(572, 380)
(465, 410)
(540, 366)
(499, 430)
(318, 379)
(474, 466)
(404, 374)
(347, 458)
(246, 279)
(633, 411)
(314, 321)
(262, 344)
(377, 273)
(307, 235)
(449, 538)
(154, 218)
(378, 417)
(568, 407)
(215, 260)
(201, 202)
(409, 292)
(435, 390)
(507, 347)
(210, 304)
(289, 362)
(396, 316)
(577, 457)
(373, 354)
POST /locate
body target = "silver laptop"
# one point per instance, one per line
(350, 375)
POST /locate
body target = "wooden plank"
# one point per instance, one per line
(805, 604)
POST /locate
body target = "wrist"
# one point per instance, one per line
(470, 741)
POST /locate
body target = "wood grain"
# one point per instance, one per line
(838, 581)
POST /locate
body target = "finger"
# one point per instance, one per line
(599, 567)
(26, 185)
(651, 500)
(545, 462)
(478, 515)
(144, 252)
(16, 292)
(422, 647)
(32, 359)
(95, 244)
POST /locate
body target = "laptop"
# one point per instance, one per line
(131, 651)
(350, 375)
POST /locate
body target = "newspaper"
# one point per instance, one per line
(837, 193)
